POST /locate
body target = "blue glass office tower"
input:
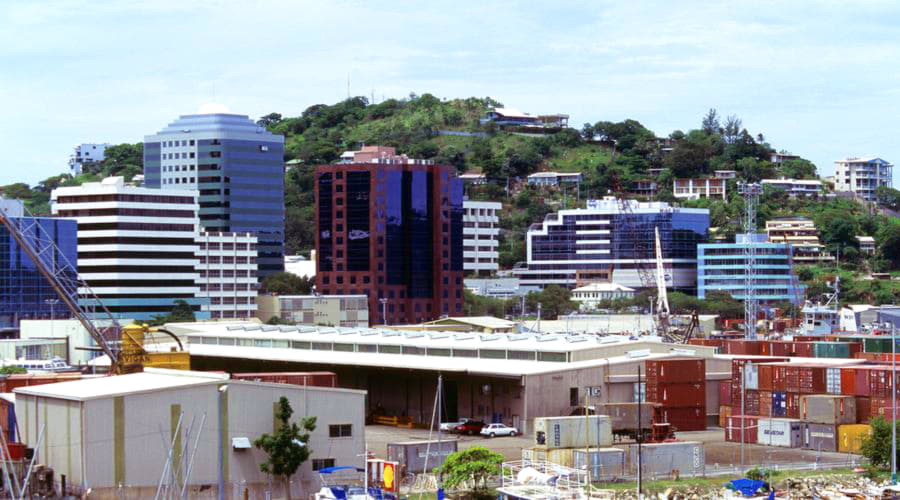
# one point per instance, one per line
(723, 267)
(238, 168)
(24, 293)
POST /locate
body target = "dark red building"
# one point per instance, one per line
(391, 229)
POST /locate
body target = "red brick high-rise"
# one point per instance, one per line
(391, 228)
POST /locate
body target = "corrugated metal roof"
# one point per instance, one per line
(151, 379)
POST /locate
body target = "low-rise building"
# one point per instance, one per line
(553, 178)
(86, 154)
(644, 187)
(589, 296)
(802, 235)
(866, 244)
(693, 189)
(498, 288)
(299, 265)
(809, 188)
(782, 157)
(725, 174)
(325, 310)
(511, 117)
(473, 179)
(482, 324)
(481, 229)
(111, 434)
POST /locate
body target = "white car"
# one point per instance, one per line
(451, 426)
(492, 430)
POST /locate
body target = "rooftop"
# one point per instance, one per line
(152, 379)
(479, 321)
(604, 287)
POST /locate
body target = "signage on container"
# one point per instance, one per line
(594, 391)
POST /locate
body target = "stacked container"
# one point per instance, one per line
(557, 438)
(606, 463)
(660, 459)
(679, 386)
(783, 432)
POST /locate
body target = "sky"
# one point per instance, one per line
(818, 79)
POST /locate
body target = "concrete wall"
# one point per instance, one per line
(123, 440)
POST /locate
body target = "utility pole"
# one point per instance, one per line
(750, 192)
(640, 433)
(893, 404)
(743, 410)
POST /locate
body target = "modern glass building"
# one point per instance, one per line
(24, 293)
(392, 231)
(723, 267)
(603, 243)
(238, 168)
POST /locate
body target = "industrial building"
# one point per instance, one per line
(481, 229)
(238, 168)
(111, 434)
(722, 267)
(324, 310)
(862, 176)
(509, 378)
(602, 243)
(391, 228)
(24, 293)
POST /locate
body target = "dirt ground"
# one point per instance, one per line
(719, 453)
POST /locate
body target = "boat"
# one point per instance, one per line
(348, 483)
(55, 364)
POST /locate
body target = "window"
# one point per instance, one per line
(340, 430)
(322, 463)
(573, 396)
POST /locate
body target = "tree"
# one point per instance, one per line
(12, 370)
(710, 123)
(286, 284)
(732, 129)
(888, 238)
(888, 197)
(288, 446)
(269, 120)
(476, 464)
(877, 445)
(181, 313)
(554, 300)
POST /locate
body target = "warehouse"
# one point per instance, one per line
(110, 431)
(510, 378)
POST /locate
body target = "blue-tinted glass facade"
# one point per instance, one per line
(238, 168)
(24, 293)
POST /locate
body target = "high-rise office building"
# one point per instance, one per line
(390, 227)
(238, 168)
(603, 243)
(862, 176)
(722, 267)
(24, 293)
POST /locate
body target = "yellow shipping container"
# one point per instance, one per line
(724, 413)
(850, 437)
(558, 456)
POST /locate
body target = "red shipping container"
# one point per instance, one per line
(881, 407)
(765, 375)
(803, 349)
(749, 401)
(848, 382)
(315, 379)
(765, 403)
(781, 348)
(813, 380)
(676, 371)
(863, 409)
(792, 379)
(793, 405)
(736, 422)
(743, 347)
(685, 419)
(677, 395)
(725, 393)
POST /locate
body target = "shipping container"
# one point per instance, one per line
(316, 379)
(749, 403)
(812, 379)
(828, 409)
(676, 371)
(782, 432)
(724, 413)
(660, 459)
(733, 429)
(413, 455)
(624, 416)
(879, 344)
(751, 376)
(882, 407)
(606, 463)
(677, 394)
(833, 380)
(819, 437)
(569, 432)
(803, 349)
(779, 404)
(793, 405)
(854, 381)
(765, 404)
(725, 392)
(850, 437)
(559, 456)
(766, 376)
(843, 350)
(685, 419)
(863, 409)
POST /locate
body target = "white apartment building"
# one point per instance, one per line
(693, 189)
(481, 228)
(809, 188)
(862, 176)
(139, 251)
(228, 271)
(84, 154)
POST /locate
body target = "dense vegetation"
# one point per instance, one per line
(610, 155)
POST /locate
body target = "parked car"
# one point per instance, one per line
(495, 430)
(471, 427)
(451, 426)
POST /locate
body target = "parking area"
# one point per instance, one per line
(719, 453)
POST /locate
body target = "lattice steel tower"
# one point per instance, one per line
(750, 192)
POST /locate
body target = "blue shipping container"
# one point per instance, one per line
(779, 404)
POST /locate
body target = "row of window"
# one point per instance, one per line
(136, 212)
(179, 180)
(226, 273)
(227, 259)
(178, 156)
(227, 246)
(135, 198)
(175, 144)
(227, 287)
(178, 168)
(232, 300)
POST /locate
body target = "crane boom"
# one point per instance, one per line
(57, 278)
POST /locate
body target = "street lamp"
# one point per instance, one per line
(221, 394)
(383, 302)
(52, 302)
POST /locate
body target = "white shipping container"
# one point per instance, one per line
(751, 377)
(570, 432)
(660, 459)
(833, 380)
(785, 432)
(606, 463)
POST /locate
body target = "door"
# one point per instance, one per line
(450, 405)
